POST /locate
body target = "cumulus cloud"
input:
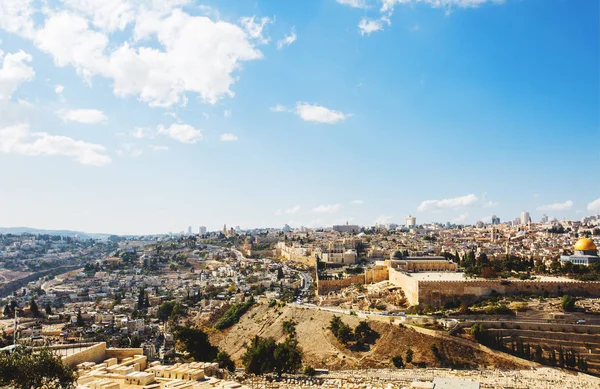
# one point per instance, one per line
(129, 150)
(319, 114)
(184, 133)
(142, 132)
(18, 139)
(454, 203)
(14, 70)
(158, 148)
(290, 211)
(254, 27)
(85, 116)
(287, 40)
(357, 202)
(556, 206)
(278, 108)
(354, 3)
(594, 205)
(327, 208)
(196, 54)
(367, 26)
(58, 89)
(227, 113)
(228, 137)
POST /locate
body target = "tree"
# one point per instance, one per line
(258, 358)
(287, 356)
(195, 342)
(48, 309)
(79, 322)
(568, 303)
(23, 369)
(362, 332)
(165, 310)
(225, 361)
(397, 361)
(34, 309)
(409, 355)
(289, 328)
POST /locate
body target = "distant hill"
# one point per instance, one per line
(35, 231)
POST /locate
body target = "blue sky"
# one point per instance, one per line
(130, 116)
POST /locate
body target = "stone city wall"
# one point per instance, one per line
(375, 275)
(95, 353)
(326, 286)
(409, 285)
(439, 293)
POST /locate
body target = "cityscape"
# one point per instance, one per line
(381, 194)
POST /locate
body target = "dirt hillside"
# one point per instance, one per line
(321, 349)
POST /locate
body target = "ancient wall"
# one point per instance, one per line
(326, 286)
(375, 275)
(95, 353)
(438, 293)
(409, 285)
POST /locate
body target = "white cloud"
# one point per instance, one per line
(290, 211)
(181, 132)
(194, 53)
(327, 208)
(536, 195)
(142, 132)
(13, 71)
(489, 204)
(357, 202)
(254, 28)
(228, 137)
(461, 218)
(227, 113)
(594, 205)
(85, 116)
(556, 206)
(287, 39)
(58, 89)
(367, 26)
(383, 219)
(454, 203)
(278, 108)
(18, 139)
(354, 3)
(319, 114)
(158, 148)
(130, 150)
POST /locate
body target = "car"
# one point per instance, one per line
(580, 322)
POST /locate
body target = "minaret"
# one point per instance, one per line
(16, 325)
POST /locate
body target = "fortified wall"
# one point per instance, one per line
(439, 293)
(370, 276)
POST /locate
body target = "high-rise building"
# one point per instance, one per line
(202, 230)
(411, 221)
(525, 218)
(495, 220)
(544, 218)
(190, 230)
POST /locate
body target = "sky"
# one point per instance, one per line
(149, 116)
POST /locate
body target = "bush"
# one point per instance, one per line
(233, 315)
(309, 371)
(397, 361)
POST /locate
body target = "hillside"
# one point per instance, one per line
(321, 349)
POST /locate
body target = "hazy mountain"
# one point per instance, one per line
(28, 230)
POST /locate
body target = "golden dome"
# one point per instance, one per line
(584, 244)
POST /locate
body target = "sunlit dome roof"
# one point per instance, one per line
(584, 244)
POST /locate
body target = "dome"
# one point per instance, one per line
(585, 244)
